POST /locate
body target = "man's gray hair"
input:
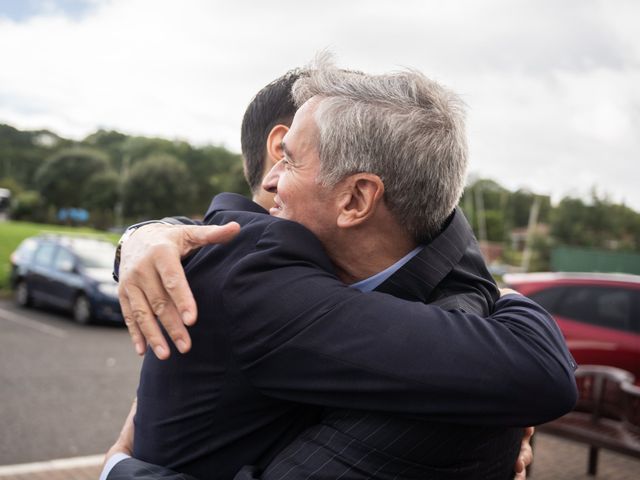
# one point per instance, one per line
(401, 126)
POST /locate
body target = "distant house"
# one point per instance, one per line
(519, 235)
(491, 251)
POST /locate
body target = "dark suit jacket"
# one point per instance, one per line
(353, 444)
(278, 332)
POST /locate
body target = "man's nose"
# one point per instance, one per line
(270, 181)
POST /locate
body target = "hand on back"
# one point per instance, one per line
(153, 288)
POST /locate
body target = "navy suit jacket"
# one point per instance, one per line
(358, 445)
(278, 334)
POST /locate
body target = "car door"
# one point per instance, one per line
(600, 324)
(38, 277)
(65, 279)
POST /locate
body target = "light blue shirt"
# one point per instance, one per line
(366, 285)
(371, 283)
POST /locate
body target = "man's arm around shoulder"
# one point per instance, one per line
(328, 344)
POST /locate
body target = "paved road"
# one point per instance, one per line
(64, 389)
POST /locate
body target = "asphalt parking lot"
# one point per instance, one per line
(65, 389)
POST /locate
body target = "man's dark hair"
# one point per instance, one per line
(271, 106)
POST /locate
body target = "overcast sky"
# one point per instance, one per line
(553, 87)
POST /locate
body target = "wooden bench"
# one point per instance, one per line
(607, 414)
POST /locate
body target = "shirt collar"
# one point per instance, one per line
(432, 264)
(369, 284)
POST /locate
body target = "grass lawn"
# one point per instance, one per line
(12, 233)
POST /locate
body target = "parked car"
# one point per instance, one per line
(599, 314)
(72, 273)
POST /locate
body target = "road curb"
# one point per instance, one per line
(51, 465)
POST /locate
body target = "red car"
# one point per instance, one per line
(599, 314)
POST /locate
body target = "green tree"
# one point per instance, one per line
(231, 180)
(11, 184)
(103, 193)
(486, 200)
(598, 224)
(495, 222)
(28, 205)
(63, 179)
(212, 169)
(22, 152)
(519, 207)
(156, 187)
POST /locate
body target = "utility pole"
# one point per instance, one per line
(482, 223)
(531, 228)
(124, 174)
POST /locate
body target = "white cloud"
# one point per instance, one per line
(553, 87)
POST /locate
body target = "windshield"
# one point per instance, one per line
(93, 254)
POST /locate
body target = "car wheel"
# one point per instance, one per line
(82, 310)
(23, 297)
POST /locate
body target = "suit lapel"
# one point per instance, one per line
(417, 279)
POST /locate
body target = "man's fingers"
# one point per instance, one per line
(144, 317)
(176, 287)
(201, 235)
(124, 443)
(153, 283)
(173, 277)
(164, 288)
(528, 433)
(137, 338)
(154, 287)
(525, 457)
(168, 315)
(126, 434)
(172, 323)
(521, 467)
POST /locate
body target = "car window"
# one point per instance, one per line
(94, 254)
(44, 254)
(25, 250)
(614, 307)
(603, 306)
(635, 317)
(548, 298)
(64, 260)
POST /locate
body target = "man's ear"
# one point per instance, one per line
(274, 151)
(359, 199)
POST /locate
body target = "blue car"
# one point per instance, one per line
(67, 272)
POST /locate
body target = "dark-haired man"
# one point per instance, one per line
(365, 235)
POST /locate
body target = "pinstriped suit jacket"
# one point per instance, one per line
(412, 387)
